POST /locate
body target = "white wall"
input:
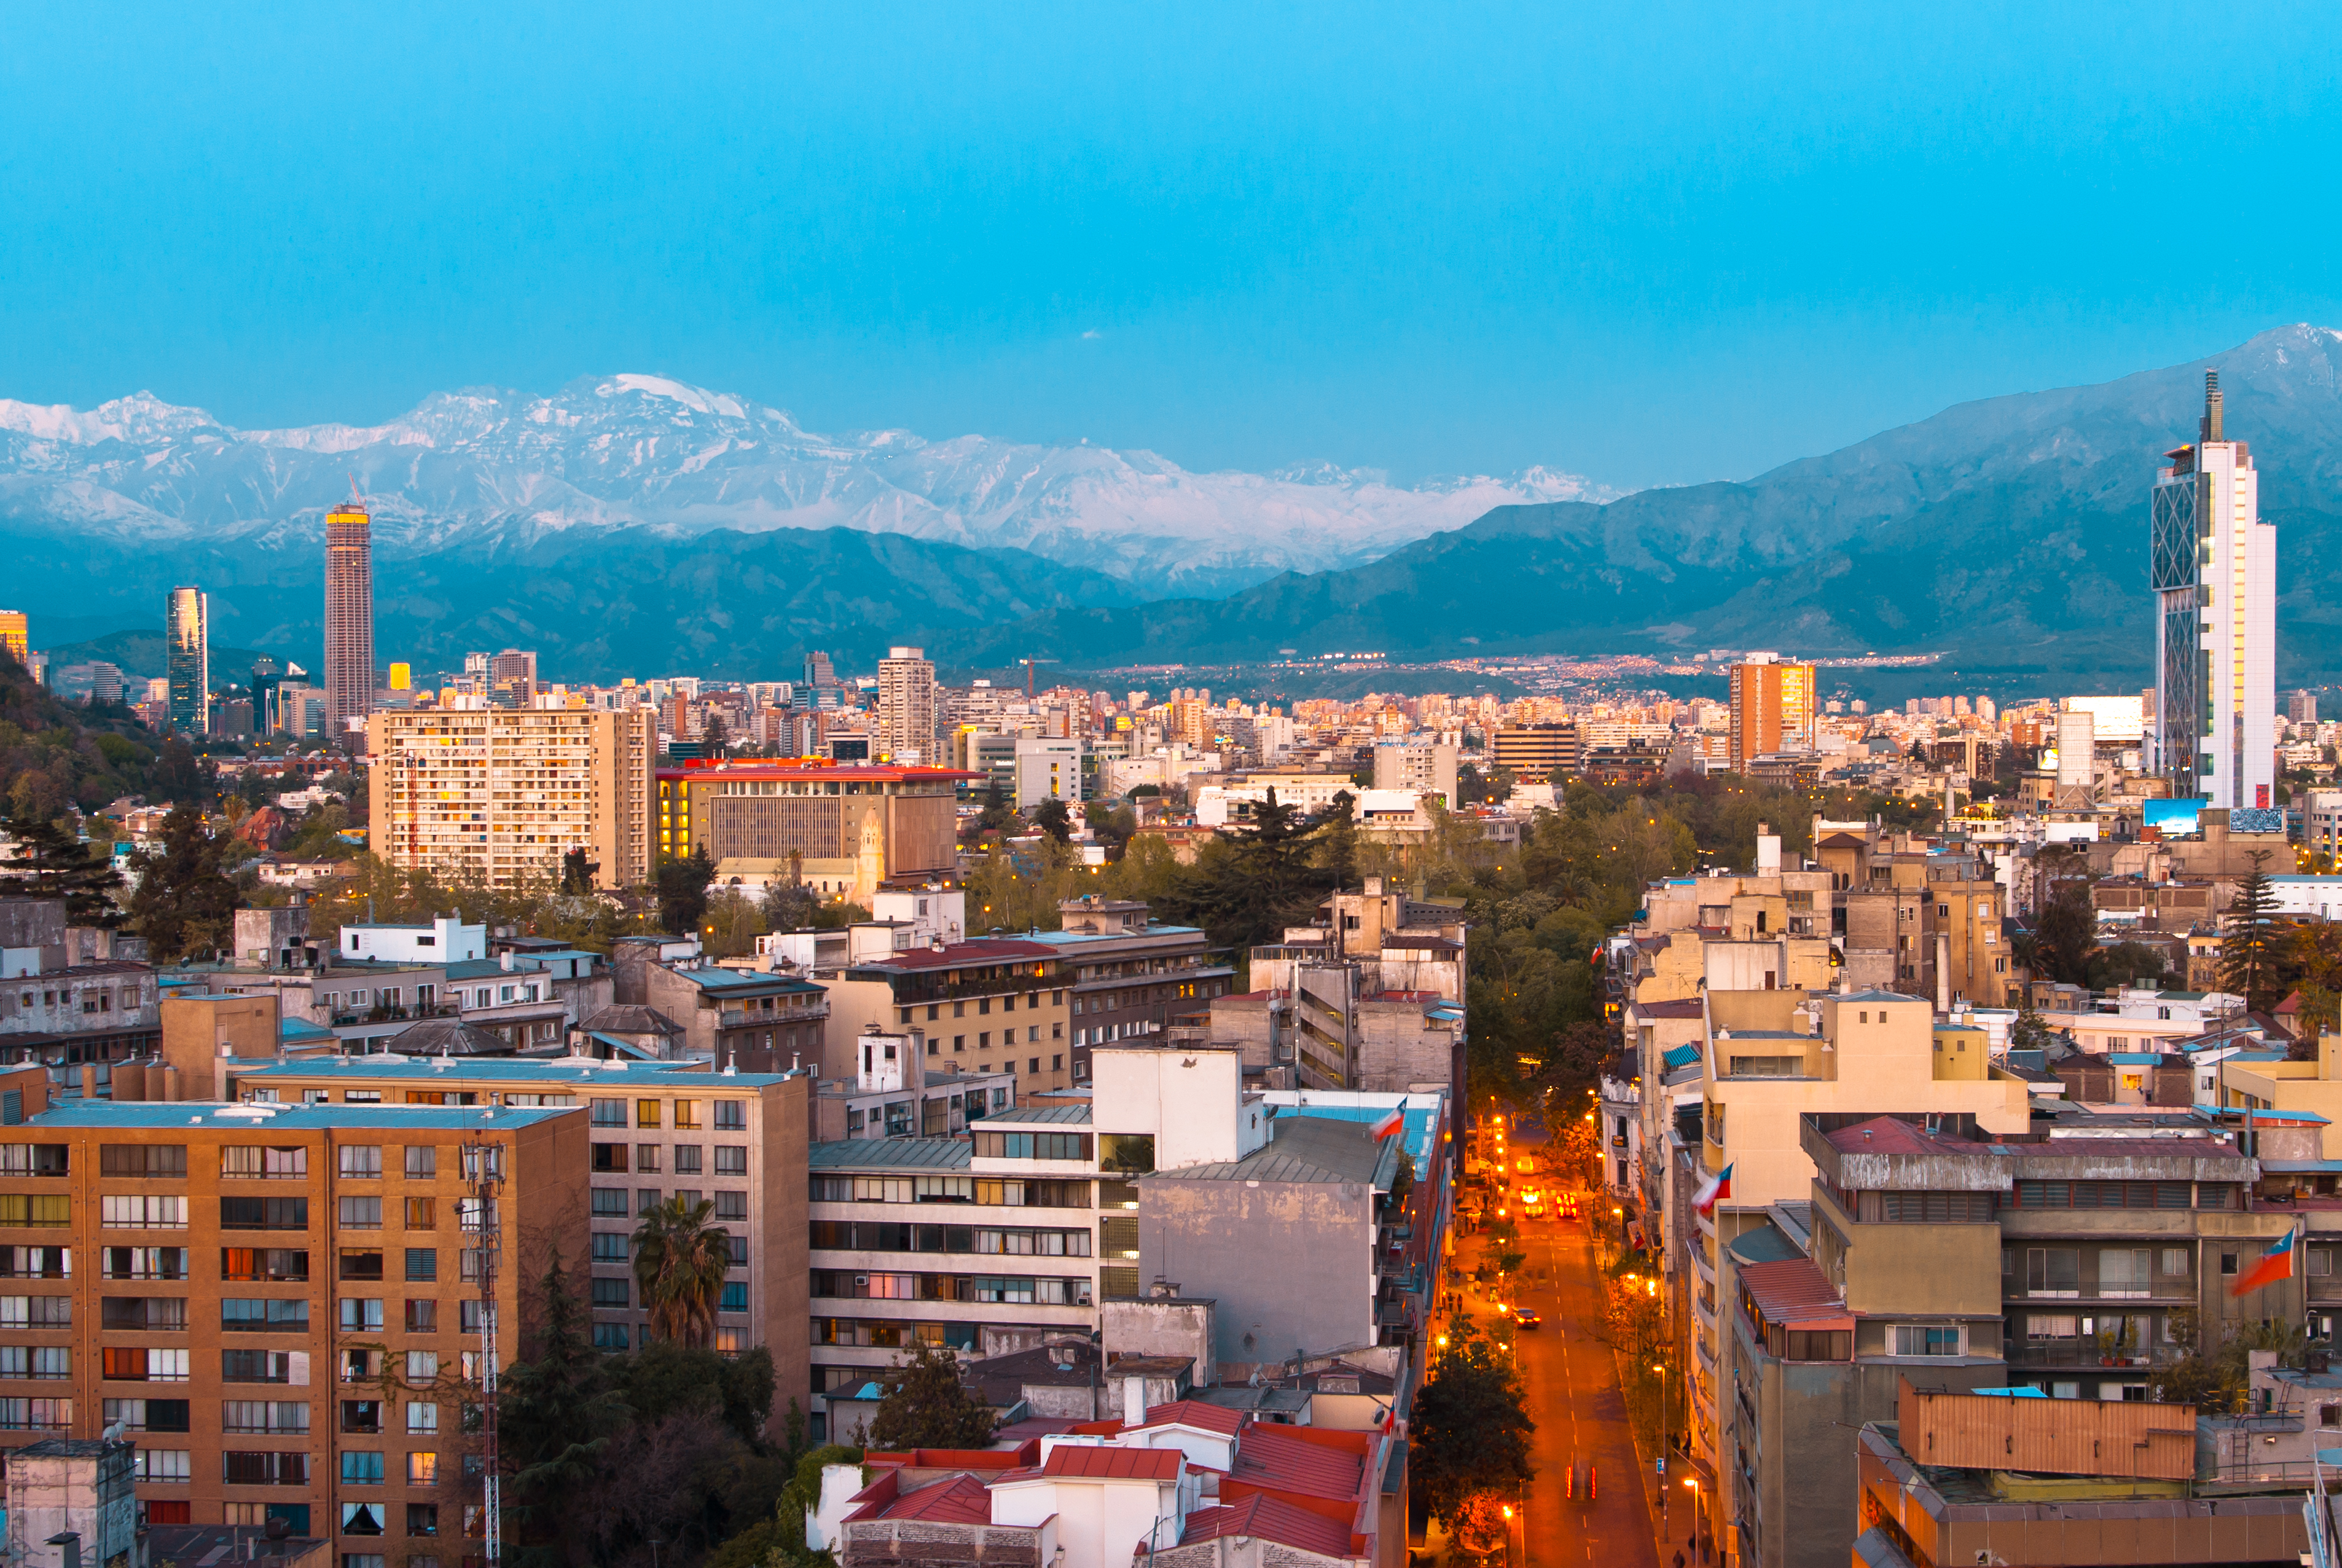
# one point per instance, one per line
(444, 941)
(1189, 1101)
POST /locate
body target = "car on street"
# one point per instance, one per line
(1527, 1317)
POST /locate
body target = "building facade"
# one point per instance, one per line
(2213, 565)
(504, 795)
(1773, 710)
(278, 1305)
(186, 640)
(815, 820)
(349, 619)
(907, 707)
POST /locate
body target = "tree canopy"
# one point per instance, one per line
(1470, 1431)
(926, 1405)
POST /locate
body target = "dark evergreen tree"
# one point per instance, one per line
(1052, 818)
(927, 1406)
(50, 863)
(998, 814)
(2067, 931)
(556, 1414)
(2252, 938)
(183, 903)
(577, 872)
(682, 882)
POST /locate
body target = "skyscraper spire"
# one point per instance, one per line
(2212, 565)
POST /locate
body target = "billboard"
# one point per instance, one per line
(2176, 818)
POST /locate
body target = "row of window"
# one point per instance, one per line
(984, 1005)
(616, 1338)
(168, 1212)
(617, 1296)
(1006, 1193)
(1032, 1147)
(2124, 1195)
(730, 1116)
(731, 1159)
(617, 1247)
(862, 1286)
(610, 1202)
(2121, 1271)
(889, 1334)
(242, 1161)
(894, 1236)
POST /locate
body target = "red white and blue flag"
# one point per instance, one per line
(1390, 1125)
(2277, 1263)
(1716, 1190)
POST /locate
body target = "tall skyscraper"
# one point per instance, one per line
(187, 657)
(1772, 709)
(2213, 570)
(349, 619)
(907, 706)
(16, 636)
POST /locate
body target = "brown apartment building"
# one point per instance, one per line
(811, 814)
(658, 1130)
(984, 1005)
(279, 1305)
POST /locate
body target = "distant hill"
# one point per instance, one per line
(142, 657)
(2010, 533)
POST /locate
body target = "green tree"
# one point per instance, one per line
(2250, 941)
(998, 814)
(183, 903)
(2031, 1031)
(1052, 818)
(2068, 930)
(577, 872)
(926, 1405)
(681, 1255)
(1471, 1426)
(556, 1415)
(48, 861)
(682, 884)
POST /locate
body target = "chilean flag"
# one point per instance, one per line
(1391, 1124)
(2277, 1263)
(1717, 1188)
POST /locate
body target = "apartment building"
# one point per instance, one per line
(1131, 975)
(278, 1304)
(1533, 754)
(907, 707)
(62, 1009)
(1769, 1059)
(757, 1021)
(656, 1131)
(891, 1269)
(984, 1006)
(807, 817)
(1374, 991)
(1927, 922)
(2069, 1262)
(1773, 709)
(502, 794)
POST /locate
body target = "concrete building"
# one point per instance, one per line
(1131, 977)
(1047, 769)
(853, 827)
(2213, 571)
(1769, 1059)
(738, 1140)
(1535, 752)
(63, 1010)
(348, 693)
(1017, 1268)
(905, 734)
(2075, 1484)
(501, 795)
(188, 659)
(1773, 710)
(1425, 767)
(318, 1375)
(757, 1022)
(1377, 991)
(987, 1005)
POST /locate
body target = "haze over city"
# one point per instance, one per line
(1074, 787)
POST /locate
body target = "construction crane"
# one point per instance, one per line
(1028, 665)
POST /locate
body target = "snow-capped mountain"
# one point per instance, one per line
(487, 469)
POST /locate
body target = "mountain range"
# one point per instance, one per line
(636, 525)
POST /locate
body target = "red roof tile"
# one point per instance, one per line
(1115, 1464)
(1196, 1413)
(962, 1499)
(1795, 1290)
(1275, 1459)
(1271, 1519)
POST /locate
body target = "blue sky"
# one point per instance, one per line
(1645, 242)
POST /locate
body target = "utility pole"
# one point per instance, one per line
(483, 1165)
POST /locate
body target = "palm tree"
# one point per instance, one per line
(680, 1260)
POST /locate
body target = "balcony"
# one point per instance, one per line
(750, 1018)
(394, 1015)
(2084, 1356)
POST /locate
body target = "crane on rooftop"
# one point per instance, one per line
(1028, 665)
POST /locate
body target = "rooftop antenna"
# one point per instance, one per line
(486, 1172)
(2212, 406)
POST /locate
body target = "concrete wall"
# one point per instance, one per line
(1398, 1047)
(1290, 1264)
(1182, 1325)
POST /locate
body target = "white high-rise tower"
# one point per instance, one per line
(2213, 566)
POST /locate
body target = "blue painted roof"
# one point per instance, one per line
(1418, 1127)
(287, 1118)
(562, 1071)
